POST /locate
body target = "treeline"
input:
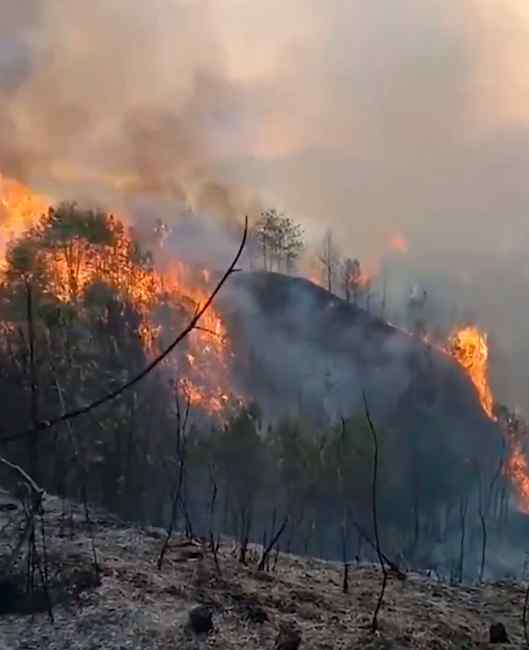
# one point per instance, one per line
(277, 244)
(321, 481)
(73, 302)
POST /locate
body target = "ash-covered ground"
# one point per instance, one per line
(134, 605)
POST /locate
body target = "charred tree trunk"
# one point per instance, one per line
(214, 541)
(374, 511)
(181, 429)
(345, 582)
(246, 517)
(524, 616)
(275, 539)
(463, 509)
(32, 441)
(484, 537)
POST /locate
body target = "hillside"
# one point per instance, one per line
(302, 350)
(136, 606)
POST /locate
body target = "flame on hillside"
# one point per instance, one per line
(19, 208)
(517, 469)
(398, 244)
(204, 370)
(469, 347)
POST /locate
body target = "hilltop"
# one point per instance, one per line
(133, 605)
(302, 350)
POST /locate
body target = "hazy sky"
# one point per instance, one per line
(370, 116)
(408, 115)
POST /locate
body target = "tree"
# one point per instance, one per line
(80, 342)
(240, 456)
(280, 241)
(374, 510)
(416, 310)
(330, 259)
(351, 278)
(292, 243)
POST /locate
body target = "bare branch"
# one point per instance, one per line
(391, 564)
(36, 490)
(524, 616)
(273, 542)
(374, 622)
(37, 494)
(207, 330)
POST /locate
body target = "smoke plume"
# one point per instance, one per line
(366, 117)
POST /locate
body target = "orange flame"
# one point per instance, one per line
(398, 243)
(469, 347)
(19, 209)
(517, 469)
(204, 370)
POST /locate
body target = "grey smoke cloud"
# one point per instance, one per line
(406, 115)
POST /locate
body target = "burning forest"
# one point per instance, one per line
(90, 262)
(85, 305)
(263, 279)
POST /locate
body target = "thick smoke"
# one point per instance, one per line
(371, 118)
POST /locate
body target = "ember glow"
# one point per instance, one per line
(399, 244)
(203, 371)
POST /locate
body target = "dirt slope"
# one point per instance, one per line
(137, 606)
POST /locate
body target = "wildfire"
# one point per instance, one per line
(207, 381)
(398, 243)
(517, 469)
(204, 369)
(469, 347)
(19, 209)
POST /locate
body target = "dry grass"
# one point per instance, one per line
(136, 606)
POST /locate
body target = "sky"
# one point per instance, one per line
(405, 116)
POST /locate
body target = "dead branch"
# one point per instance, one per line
(36, 490)
(207, 330)
(343, 527)
(463, 510)
(46, 425)
(27, 537)
(214, 543)
(394, 567)
(179, 479)
(33, 380)
(524, 616)
(272, 543)
(374, 505)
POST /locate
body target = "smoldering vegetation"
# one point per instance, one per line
(295, 452)
(362, 120)
(308, 357)
(408, 118)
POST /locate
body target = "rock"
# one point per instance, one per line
(156, 533)
(498, 633)
(200, 619)
(8, 507)
(185, 555)
(288, 639)
(83, 579)
(8, 595)
(256, 614)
